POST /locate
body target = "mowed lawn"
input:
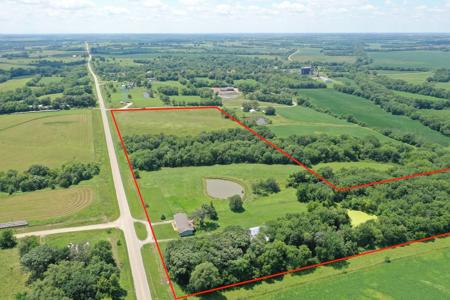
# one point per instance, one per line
(374, 116)
(53, 139)
(305, 121)
(416, 58)
(173, 190)
(48, 138)
(175, 122)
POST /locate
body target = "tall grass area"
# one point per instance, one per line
(371, 114)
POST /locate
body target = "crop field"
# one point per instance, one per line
(45, 204)
(180, 123)
(315, 54)
(52, 139)
(48, 138)
(375, 117)
(411, 77)
(305, 121)
(417, 58)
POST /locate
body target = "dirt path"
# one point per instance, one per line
(126, 221)
(292, 54)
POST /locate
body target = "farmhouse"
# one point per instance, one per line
(183, 225)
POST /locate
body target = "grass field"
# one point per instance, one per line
(49, 138)
(305, 121)
(375, 117)
(411, 77)
(443, 85)
(68, 135)
(176, 122)
(12, 276)
(314, 54)
(416, 58)
(358, 164)
(137, 98)
(13, 84)
(119, 248)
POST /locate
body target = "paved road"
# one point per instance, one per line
(69, 229)
(126, 222)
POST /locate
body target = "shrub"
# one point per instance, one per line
(7, 239)
(236, 203)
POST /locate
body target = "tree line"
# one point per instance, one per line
(151, 152)
(39, 177)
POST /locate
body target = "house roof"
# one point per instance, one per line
(182, 222)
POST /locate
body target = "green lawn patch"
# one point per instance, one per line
(13, 84)
(141, 230)
(358, 217)
(165, 231)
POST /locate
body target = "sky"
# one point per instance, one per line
(223, 16)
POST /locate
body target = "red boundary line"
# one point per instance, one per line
(320, 177)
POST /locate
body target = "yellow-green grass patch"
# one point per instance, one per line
(358, 217)
(356, 164)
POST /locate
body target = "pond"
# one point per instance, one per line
(222, 189)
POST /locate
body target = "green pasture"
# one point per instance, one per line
(314, 54)
(374, 116)
(176, 122)
(119, 248)
(417, 58)
(411, 77)
(305, 121)
(13, 84)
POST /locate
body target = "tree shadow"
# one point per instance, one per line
(209, 226)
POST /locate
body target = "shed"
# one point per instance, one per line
(183, 225)
(13, 224)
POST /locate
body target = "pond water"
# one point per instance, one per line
(222, 189)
